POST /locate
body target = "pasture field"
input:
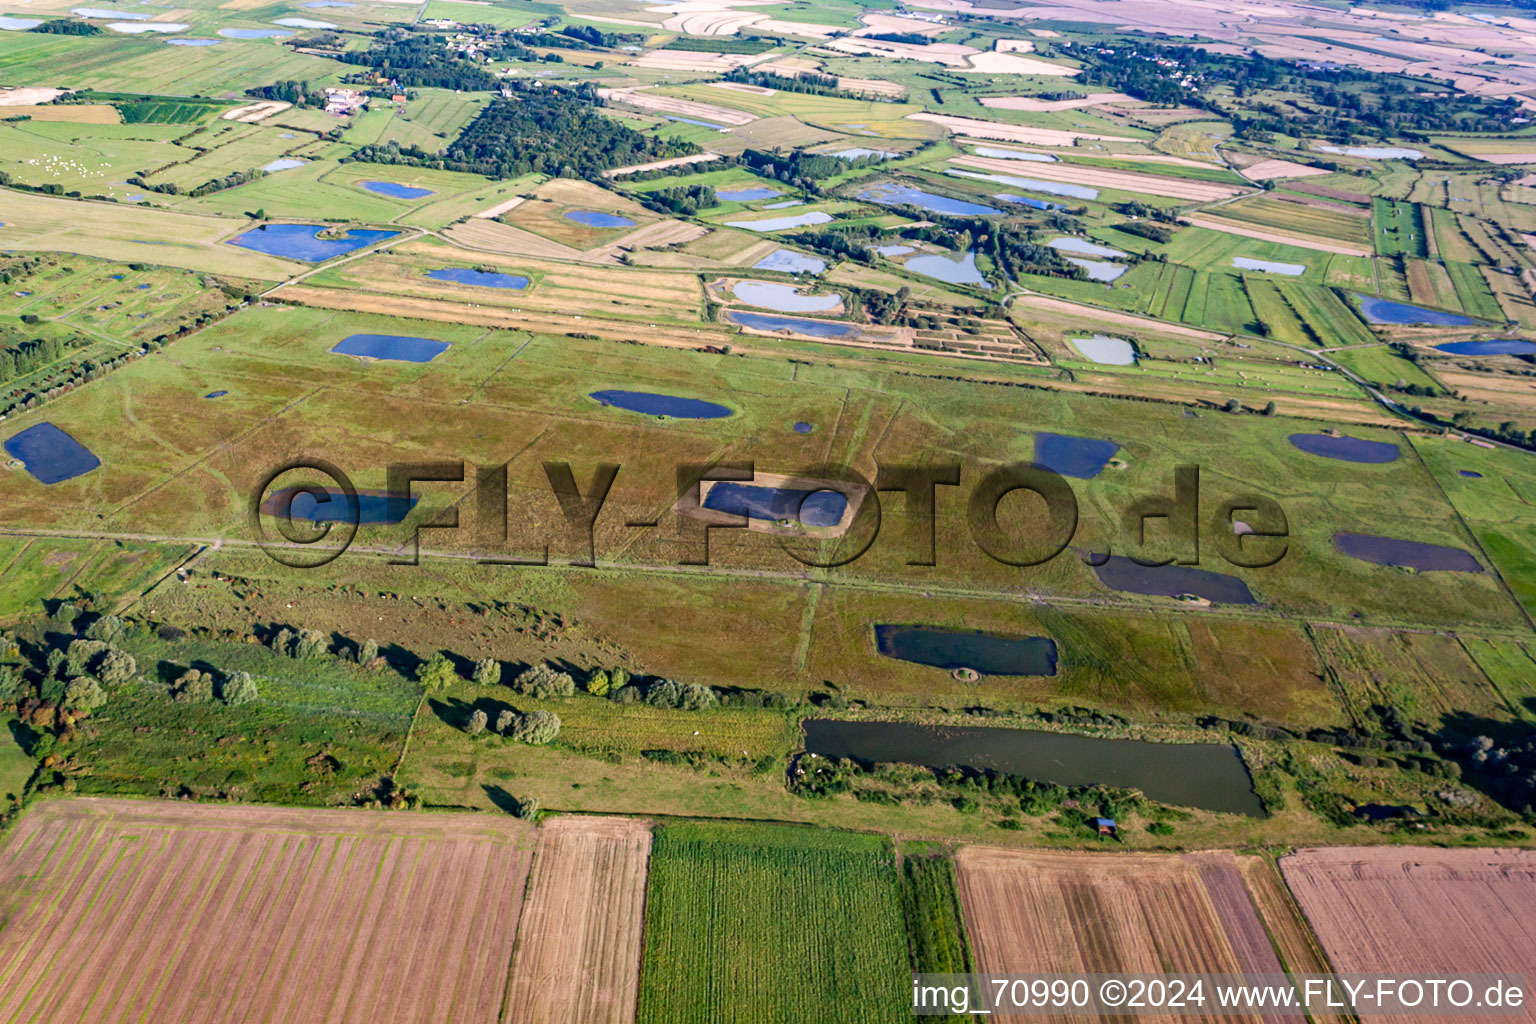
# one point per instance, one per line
(38, 570)
(16, 766)
(1398, 228)
(792, 923)
(333, 913)
(1379, 364)
(144, 64)
(580, 932)
(1415, 909)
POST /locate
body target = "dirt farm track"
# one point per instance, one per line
(120, 910)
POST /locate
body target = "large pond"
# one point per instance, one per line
(394, 190)
(1014, 154)
(746, 195)
(8, 24)
(830, 329)
(1121, 573)
(1345, 449)
(1210, 776)
(598, 219)
(905, 195)
(991, 654)
(1033, 204)
(137, 28)
(1495, 347)
(330, 505)
(785, 298)
(776, 504)
(956, 268)
(1050, 188)
(50, 454)
(1410, 553)
(479, 278)
(254, 33)
(671, 406)
(1269, 266)
(790, 262)
(399, 347)
(286, 163)
(1082, 457)
(303, 23)
(1375, 152)
(1083, 247)
(1098, 270)
(106, 12)
(1377, 310)
(1101, 348)
(303, 241)
(802, 220)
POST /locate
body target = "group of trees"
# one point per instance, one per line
(807, 82)
(300, 94)
(200, 686)
(533, 727)
(313, 645)
(66, 27)
(19, 358)
(682, 199)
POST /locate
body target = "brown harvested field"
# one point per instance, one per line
(1036, 105)
(1267, 169)
(1099, 177)
(1036, 912)
(1413, 910)
(673, 105)
(578, 946)
(494, 236)
(140, 910)
(76, 113)
(976, 128)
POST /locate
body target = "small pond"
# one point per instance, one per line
(790, 262)
(1377, 310)
(137, 28)
(1101, 348)
(991, 654)
(395, 191)
(785, 298)
(303, 23)
(905, 195)
(191, 42)
(1050, 188)
(954, 268)
(8, 24)
(1269, 266)
(701, 124)
(479, 278)
(1033, 204)
(803, 220)
(998, 153)
(597, 219)
(802, 427)
(1121, 573)
(1375, 152)
(1410, 553)
(1472, 473)
(1081, 457)
(1083, 247)
(1099, 270)
(830, 329)
(374, 508)
(773, 504)
(303, 241)
(254, 33)
(1210, 776)
(286, 163)
(671, 406)
(216, 394)
(51, 455)
(399, 347)
(786, 204)
(1345, 449)
(1495, 347)
(746, 195)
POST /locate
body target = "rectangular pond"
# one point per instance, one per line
(777, 504)
(51, 455)
(303, 241)
(1101, 348)
(827, 329)
(998, 153)
(790, 262)
(598, 219)
(1083, 247)
(784, 298)
(1124, 574)
(1345, 449)
(1210, 776)
(953, 268)
(905, 195)
(1412, 554)
(802, 220)
(1099, 270)
(669, 406)
(746, 195)
(394, 190)
(329, 505)
(1050, 188)
(1375, 152)
(479, 278)
(1495, 347)
(1377, 310)
(1033, 204)
(398, 347)
(1269, 266)
(990, 654)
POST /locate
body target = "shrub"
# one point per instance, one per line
(81, 654)
(437, 674)
(598, 683)
(696, 697)
(625, 694)
(664, 694)
(536, 727)
(476, 724)
(504, 721)
(311, 644)
(526, 808)
(117, 667)
(369, 652)
(487, 671)
(543, 682)
(65, 614)
(1160, 828)
(238, 688)
(107, 628)
(84, 694)
(282, 643)
(193, 687)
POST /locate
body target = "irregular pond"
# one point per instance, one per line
(395, 191)
(802, 427)
(479, 278)
(1345, 449)
(1014, 154)
(303, 241)
(1409, 553)
(1082, 457)
(1033, 204)
(701, 124)
(786, 204)
(330, 505)
(1269, 266)
(1099, 270)
(1495, 347)
(991, 654)
(774, 504)
(812, 328)
(400, 347)
(785, 298)
(1083, 247)
(597, 219)
(101, 12)
(1101, 348)
(859, 152)
(955, 269)
(51, 455)
(216, 394)
(1121, 573)
(1375, 152)
(283, 164)
(746, 195)
(893, 250)
(190, 42)
(1474, 474)
(905, 195)
(135, 28)
(1377, 310)
(303, 23)
(671, 406)
(1210, 776)
(790, 262)
(8, 24)
(1050, 188)
(254, 33)
(803, 220)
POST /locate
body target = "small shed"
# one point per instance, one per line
(1106, 826)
